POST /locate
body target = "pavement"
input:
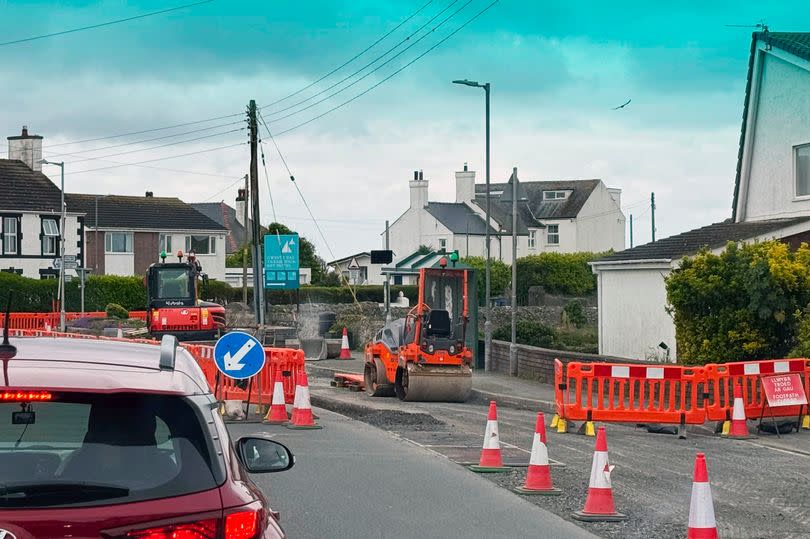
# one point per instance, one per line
(352, 480)
(759, 485)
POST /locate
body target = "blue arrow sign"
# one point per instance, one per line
(238, 355)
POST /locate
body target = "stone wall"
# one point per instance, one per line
(538, 363)
(550, 315)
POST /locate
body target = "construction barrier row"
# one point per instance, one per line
(51, 320)
(287, 362)
(668, 394)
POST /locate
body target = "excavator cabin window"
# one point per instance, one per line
(172, 283)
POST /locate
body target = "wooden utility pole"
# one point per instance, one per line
(253, 196)
(652, 208)
(246, 239)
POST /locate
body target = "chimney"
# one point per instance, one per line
(26, 148)
(241, 203)
(419, 190)
(465, 185)
(150, 194)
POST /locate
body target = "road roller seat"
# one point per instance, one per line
(438, 323)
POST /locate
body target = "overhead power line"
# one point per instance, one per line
(239, 179)
(99, 25)
(352, 59)
(392, 75)
(375, 60)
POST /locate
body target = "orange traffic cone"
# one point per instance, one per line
(491, 460)
(345, 353)
(302, 409)
(278, 409)
(538, 476)
(599, 503)
(701, 509)
(739, 427)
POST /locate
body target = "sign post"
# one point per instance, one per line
(780, 391)
(281, 262)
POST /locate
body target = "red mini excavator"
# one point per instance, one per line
(174, 306)
(424, 356)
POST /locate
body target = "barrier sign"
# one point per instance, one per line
(238, 355)
(281, 261)
(784, 390)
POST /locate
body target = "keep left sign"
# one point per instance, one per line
(238, 355)
(784, 390)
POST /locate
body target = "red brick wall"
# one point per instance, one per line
(145, 245)
(90, 251)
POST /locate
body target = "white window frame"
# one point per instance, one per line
(165, 243)
(553, 237)
(532, 239)
(50, 236)
(442, 243)
(212, 244)
(11, 237)
(555, 195)
(128, 243)
(796, 149)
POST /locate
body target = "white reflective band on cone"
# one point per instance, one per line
(539, 452)
(739, 410)
(278, 393)
(304, 398)
(298, 396)
(600, 470)
(491, 440)
(701, 509)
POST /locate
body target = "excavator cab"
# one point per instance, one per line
(431, 361)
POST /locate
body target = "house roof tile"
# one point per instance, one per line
(135, 212)
(22, 189)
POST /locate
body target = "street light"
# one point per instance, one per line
(61, 165)
(487, 317)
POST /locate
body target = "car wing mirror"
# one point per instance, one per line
(262, 455)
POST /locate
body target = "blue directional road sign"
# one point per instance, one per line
(281, 261)
(238, 355)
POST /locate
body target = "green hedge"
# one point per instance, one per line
(557, 273)
(30, 295)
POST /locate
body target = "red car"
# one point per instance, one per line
(116, 440)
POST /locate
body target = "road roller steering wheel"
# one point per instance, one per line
(410, 319)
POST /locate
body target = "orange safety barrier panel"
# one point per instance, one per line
(46, 320)
(633, 393)
(559, 387)
(723, 377)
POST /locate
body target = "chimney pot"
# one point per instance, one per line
(421, 177)
(416, 175)
(149, 194)
(25, 131)
(465, 167)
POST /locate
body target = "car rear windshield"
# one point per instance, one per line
(89, 449)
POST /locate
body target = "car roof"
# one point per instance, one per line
(58, 363)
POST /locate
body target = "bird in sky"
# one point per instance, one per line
(622, 105)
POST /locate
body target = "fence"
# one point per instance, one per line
(667, 394)
(51, 320)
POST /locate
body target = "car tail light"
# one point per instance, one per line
(241, 525)
(202, 529)
(25, 396)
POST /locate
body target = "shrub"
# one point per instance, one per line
(742, 304)
(557, 273)
(500, 276)
(29, 295)
(114, 310)
(219, 292)
(528, 332)
(575, 313)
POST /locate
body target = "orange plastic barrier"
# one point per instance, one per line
(559, 387)
(721, 379)
(633, 393)
(51, 320)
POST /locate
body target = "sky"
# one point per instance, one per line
(557, 70)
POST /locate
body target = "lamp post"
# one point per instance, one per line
(61, 165)
(487, 307)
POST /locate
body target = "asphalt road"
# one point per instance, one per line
(353, 480)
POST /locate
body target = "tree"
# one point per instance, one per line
(744, 303)
(500, 275)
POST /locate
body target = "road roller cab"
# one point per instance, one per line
(425, 356)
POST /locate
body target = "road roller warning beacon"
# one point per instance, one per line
(425, 356)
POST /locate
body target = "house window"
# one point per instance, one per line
(165, 242)
(554, 195)
(802, 167)
(10, 231)
(201, 245)
(50, 237)
(553, 234)
(442, 244)
(118, 242)
(532, 238)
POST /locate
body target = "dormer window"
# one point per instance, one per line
(555, 195)
(802, 168)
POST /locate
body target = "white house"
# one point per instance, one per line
(553, 216)
(357, 269)
(30, 213)
(125, 234)
(771, 200)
